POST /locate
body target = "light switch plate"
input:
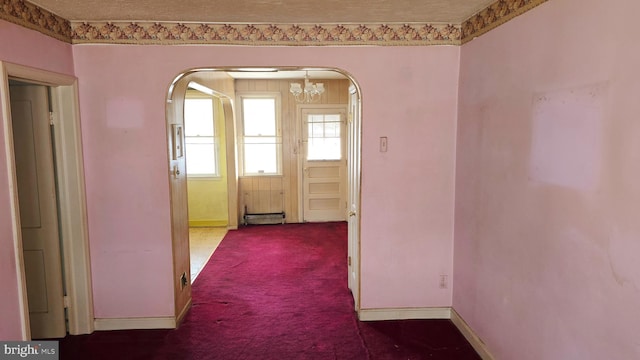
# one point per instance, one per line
(383, 144)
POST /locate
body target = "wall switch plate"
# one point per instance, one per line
(383, 144)
(444, 282)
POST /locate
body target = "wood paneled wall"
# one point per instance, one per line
(267, 194)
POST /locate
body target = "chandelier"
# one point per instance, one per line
(310, 93)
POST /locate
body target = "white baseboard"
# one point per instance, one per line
(404, 314)
(364, 315)
(429, 313)
(475, 341)
(135, 323)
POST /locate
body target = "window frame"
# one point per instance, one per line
(276, 96)
(195, 94)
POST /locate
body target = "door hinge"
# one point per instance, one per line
(350, 118)
(51, 118)
(66, 301)
(349, 260)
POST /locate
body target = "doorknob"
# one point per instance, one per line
(352, 213)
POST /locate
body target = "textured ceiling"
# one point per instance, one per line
(265, 11)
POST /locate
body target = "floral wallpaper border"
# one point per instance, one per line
(267, 34)
(495, 15)
(24, 13)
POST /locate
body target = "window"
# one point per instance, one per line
(323, 137)
(200, 137)
(261, 140)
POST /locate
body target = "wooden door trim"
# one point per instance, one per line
(176, 92)
(72, 199)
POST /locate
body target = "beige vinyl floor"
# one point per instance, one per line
(202, 243)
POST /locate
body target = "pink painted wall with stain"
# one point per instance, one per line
(409, 95)
(547, 194)
(25, 47)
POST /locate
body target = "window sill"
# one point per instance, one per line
(204, 177)
(260, 175)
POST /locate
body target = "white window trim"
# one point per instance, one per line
(240, 141)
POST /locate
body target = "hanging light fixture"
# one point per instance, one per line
(311, 92)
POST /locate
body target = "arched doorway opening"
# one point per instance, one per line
(270, 189)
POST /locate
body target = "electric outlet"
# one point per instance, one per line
(444, 282)
(183, 280)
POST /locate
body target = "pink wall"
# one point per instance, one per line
(547, 192)
(409, 95)
(25, 47)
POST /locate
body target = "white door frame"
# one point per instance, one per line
(354, 176)
(72, 195)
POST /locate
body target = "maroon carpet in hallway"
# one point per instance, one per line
(277, 292)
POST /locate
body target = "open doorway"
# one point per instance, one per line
(206, 158)
(276, 188)
(48, 203)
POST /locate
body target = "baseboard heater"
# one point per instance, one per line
(263, 219)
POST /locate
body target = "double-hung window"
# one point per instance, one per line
(201, 144)
(261, 139)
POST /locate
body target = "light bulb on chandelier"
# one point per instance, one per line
(310, 93)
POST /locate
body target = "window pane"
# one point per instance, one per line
(332, 118)
(260, 158)
(324, 149)
(324, 141)
(199, 136)
(200, 158)
(316, 118)
(259, 117)
(198, 139)
(261, 140)
(332, 129)
(198, 117)
(316, 130)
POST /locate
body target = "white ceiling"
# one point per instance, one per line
(267, 11)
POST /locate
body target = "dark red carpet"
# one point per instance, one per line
(277, 292)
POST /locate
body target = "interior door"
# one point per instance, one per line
(324, 164)
(38, 210)
(353, 190)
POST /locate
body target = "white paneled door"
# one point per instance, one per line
(324, 170)
(38, 210)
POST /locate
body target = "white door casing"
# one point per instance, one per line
(38, 210)
(71, 194)
(353, 193)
